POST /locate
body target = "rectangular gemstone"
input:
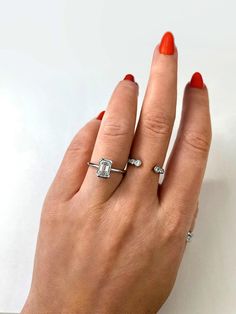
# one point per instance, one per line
(104, 168)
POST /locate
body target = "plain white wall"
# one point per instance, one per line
(59, 61)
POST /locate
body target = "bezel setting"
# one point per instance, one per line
(104, 168)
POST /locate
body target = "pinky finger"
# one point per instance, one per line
(186, 166)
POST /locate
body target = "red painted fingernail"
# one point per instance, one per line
(100, 116)
(196, 81)
(167, 45)
(129, 77)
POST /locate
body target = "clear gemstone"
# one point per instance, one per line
(138, 163)
(104, 168)
(189, 236)
(158, 170)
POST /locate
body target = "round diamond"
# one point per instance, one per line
(138, 163)
(189, 236)
(158, 170)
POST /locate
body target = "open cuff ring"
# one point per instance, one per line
(137, 163)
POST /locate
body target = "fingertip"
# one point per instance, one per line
(166, 47)
(157, 54)
(197, 81)
(196, 85)
(100, 116)
(160, 60)
(167, 44)
(128, 85)
(195, 90)
(129, 77)
(196, 95)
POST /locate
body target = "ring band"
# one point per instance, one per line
(104, 168)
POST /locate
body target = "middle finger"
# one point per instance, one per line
(157, 116)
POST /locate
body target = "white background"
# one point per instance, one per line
(59, 61)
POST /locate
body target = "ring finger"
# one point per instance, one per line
(114, 139)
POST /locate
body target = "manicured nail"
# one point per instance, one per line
(196, 81)
(167, 45)
(129, 77)
(100, 116)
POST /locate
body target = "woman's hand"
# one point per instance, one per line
(115, 245)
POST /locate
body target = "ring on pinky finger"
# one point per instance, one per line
(158, 170)
(189, 236)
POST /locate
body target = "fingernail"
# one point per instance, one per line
(129, 77)
(100, 116)
(167, 45)
(197, 81)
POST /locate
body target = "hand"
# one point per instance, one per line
(115, 245)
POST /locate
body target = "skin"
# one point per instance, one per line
(115, 246)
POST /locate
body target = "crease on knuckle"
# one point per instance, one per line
(114, 128)
(197, 141)
(157, 124)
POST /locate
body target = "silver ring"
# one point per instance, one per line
(189, 236)
(135, 162)
(104, 168)
(159, 170)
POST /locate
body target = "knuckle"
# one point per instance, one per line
(115, 128)
(157, 124)
(197, 141)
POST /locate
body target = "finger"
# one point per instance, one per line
(114, 139)
(186, 166)
(73, 167)
(157, 116)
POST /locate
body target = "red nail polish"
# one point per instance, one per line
(129, 77)
(196, 81)
(167, 45)
(100, 116)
